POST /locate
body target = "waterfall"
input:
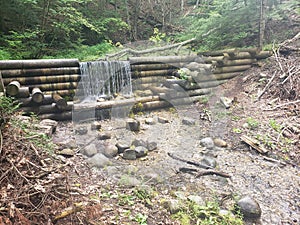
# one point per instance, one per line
(103, 79)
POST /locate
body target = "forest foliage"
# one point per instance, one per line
(87, 28)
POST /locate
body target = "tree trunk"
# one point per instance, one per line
(262, 24)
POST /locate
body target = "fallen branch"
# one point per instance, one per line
(146, 51)
(189, 162)
(281, 105)
(267, 86)
(254, 144)
(203, 173)
(77, 207)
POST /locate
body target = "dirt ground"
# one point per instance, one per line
(38, 188)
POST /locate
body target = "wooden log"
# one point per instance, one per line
(230, 52)
(137, 74)
(156, 66)
(212, 77)
(204, 85)
(162, 59)
(242, 55)
(60, 102)
(27, 102)
(1, 83)
(198, 92)
(57, 116)
(46, 109)
(44, 79)
(264, 54)
(210, 59)
(169, 82)
(55, 86)
(146, 80)
(236, 62)
(13, 88)
(198, 66)
(64, 93)
(230, 69)
(37, 95)
(23, 92)
(8, 73)
(38, 63)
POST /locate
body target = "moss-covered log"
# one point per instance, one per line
(38, 63)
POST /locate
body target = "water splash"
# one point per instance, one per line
(103, 79)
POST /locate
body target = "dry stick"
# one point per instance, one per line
(290, 74)
(189, 162)
(267, 86)
(285, 104)
(1, 141)
(203, 173)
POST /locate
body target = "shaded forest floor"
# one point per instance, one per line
(40, 187)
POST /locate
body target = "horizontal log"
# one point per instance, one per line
(236, 62)
(210, 59)
(55, 86)
(156, 66)
(198, 66)
(137, 74)
(38, 63)
(232, 52)
(213, 77)
(12, 88)
(70, 93)
(27, 102)
(230, 69)
(198, 92)
(204, 85)
(264, 54)
(44, 79)
(146, 80)
(57, 116)
(8, 73)
(162, 59)
(46, 109)
(23, 92)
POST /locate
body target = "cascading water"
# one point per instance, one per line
(103, 79)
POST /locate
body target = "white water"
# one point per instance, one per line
(104, 79)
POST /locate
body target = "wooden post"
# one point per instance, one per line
(1, 83)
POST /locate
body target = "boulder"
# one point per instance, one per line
(99, 160)
(249, 208)
(110, 151)
(89, 150)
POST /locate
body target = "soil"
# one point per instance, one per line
(38, 188)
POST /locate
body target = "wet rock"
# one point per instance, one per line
(110, 151)
(99, 160)
(139, 142)
(207, 142)
(220, 143)
(141, 151)
(96, 125)
(188, 121)
(133, 125)
(129, 154)
(122, 145)
(81, 130)
(162, 120)
(67, 152)
(90, 150)
(209, 161)
(150, 121)
(249, 208)
(196, 199)
(151, 145)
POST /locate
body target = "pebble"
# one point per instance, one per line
(162, 120)
(150, 121)
(220, 143)
(188, 121)
(207, 142)
(96, 125)
(129, 154)
(151, 145)
(141, 151)
(67, 152)
(139, 142)
(209, 161)
(81, 130)
(122, 146)
(133, 125)
(104, 136)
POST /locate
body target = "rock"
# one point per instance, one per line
(47, 130)
(207, 142)
(227, 102)
(196, 199)
(174, 206)
(90, 150)
(209, 161)
(224, 212)
(67, 152)
(162, 120)
(141, 151)
(129, 181)
(129, 154)
(96, 125)
(139, 142)
(104, 136)
(110, 151)
(150, 121)
(99, 160)
(71, 143)
(49, 122)
(188, 121)
(220, 143)
(249, 208)
(151, 145)
(81, 130)
(180, 195)
(133, 125)
(122, 146)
